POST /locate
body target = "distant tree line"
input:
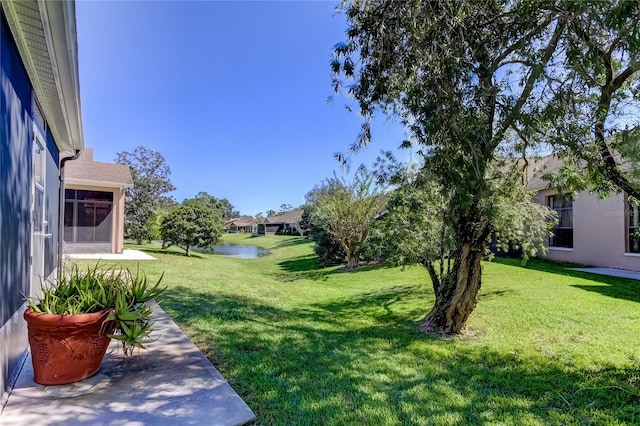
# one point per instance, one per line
(152, 214)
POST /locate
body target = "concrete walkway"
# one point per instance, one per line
(125, 255)
(612, 272)
(171, 383)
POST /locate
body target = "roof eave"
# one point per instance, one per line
(61, 107)
(59, 22)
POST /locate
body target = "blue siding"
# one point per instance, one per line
(15, 176)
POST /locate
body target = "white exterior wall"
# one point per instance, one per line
(599, 233)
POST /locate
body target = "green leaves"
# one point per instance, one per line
(151, 182)
(465, 76)
(191, 225)
(347, 210)
(124, 293)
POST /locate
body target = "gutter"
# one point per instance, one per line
(61, 207)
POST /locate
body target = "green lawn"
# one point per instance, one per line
(303, 345)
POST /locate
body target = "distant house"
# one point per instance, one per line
(94, 205)
(40, 129)
(286, 223)
(241, 225)
(590, 231)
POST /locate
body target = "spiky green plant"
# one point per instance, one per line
(125, 294)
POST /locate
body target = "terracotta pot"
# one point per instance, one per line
(66, 348)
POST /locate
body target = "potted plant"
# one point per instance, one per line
(71, 324)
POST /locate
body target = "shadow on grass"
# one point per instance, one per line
(287, 240)
(627, 289)
(303, 267)
(290, 242)
(305, 263)
(619, 288)
(307, 267)
(362, 361)
(193, 254)
(488, 295)
(378, 307)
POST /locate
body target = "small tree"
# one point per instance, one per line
(348, 212)
(151, 182)
(189, 226)
(327, 248)
(227, 210)
(154, 223)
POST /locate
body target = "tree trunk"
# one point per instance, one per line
(139, 241)
(352, 262)
(456, 295)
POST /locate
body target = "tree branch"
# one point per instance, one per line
(520, 43)
(435, 279)
(609, 165)
(533, 76)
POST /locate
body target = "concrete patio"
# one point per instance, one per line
(125, 255)
(612, 272)
(171, 383)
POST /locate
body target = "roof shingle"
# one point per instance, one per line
(86, 171)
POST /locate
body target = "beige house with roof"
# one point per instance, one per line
(286, 223)
(235, 226)
(94, 205)
(590, 231)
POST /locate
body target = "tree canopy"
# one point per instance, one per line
(328, 250)
(284, 208)
(222, 205)
(151, 182)
(591, 99)
(479, 84)
(191, 225)
(347, 212)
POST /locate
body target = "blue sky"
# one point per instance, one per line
(233, 94)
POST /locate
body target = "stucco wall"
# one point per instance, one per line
(599, 233)
(117, 223)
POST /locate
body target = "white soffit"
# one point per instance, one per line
(45, 34)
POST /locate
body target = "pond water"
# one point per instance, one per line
(243, 252)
